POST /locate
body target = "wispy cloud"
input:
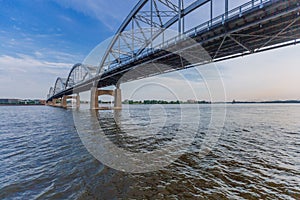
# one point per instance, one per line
(58, 56)
(25, 76)
(111, 16)
(31, 45)
(25, 63)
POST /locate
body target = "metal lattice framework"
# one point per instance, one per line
(60, 85)
(80, 73)
(144, 27)
(51, 93)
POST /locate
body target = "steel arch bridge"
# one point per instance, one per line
(155, 28)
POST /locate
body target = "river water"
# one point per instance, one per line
(255, 154)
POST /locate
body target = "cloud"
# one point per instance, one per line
(104, 11)
(26, 63)
(24, 76)
(57, 56)
(29, 43)
(32, 45)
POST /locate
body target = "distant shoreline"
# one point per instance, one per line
(182, 103)
(22, 105)
(151, 102)
(265, 102)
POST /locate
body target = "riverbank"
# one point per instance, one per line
(22, 104)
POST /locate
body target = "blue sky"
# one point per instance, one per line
(42, 39)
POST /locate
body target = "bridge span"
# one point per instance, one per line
(143, 45)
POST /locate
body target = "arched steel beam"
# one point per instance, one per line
(132, 16)
(62, 82)
(89, 69)
(127, 20)
(51, 92)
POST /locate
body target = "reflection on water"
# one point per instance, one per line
(141, 139)
(255, 157)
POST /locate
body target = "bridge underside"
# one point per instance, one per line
(272, 26)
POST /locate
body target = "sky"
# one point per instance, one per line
(40, 40)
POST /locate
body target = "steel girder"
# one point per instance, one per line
(146, 22)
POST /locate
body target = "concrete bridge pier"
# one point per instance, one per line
(48, 103)
(63, 102)
(95, 93)
(64, 99)
(54, 101)
(94, 104)
(118, 98)
(77, 100)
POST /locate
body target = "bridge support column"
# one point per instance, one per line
(63, 102)
(54, 102)
(94, 98)
(118, 99)
(77, 100)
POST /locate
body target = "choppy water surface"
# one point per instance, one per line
(256, 156)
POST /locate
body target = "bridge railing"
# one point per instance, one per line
(238, 11)
(221, 19)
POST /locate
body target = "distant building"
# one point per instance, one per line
(191, 101)
(26, 101)
(3, 101)
(126, 101)
(22, 102)
(9, 101)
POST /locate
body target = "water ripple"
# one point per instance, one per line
(256, 156)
